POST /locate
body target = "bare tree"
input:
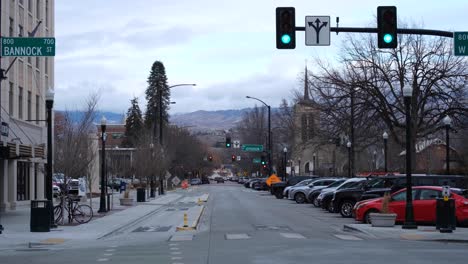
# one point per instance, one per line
(377, 77)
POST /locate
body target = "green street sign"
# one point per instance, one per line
(28, 47)
(460, 43)
(252, 148)
(256, 160)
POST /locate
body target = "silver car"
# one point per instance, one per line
(299, 184)
(347, 184)
(299, 193)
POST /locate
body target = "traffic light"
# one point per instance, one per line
(285, 28)
(233, 157)
(263, 160)
(228, 142)
(387, 27)
(210, 158)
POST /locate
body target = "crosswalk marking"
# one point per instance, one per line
(347, 237)
(237, 236)
(292, 235)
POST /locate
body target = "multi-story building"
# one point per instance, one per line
(23, 99)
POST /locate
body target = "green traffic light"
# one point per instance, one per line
(388, 38)
(286, 39)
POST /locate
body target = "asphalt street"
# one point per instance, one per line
(240, 225)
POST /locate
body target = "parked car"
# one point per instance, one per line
(424, 205)
(325, 197)
(298, 193)
(219, 180)
(205, 180)
(195, 181)
(260, 185)
(248, 182)
(312, 194)
(278, 188)
(297, 185)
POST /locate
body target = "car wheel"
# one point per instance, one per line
(299, 198)
(330, 207)
(316, 202)
(346, 208)
(366, 219)
(279, 195)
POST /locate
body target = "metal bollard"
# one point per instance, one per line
(185, 220)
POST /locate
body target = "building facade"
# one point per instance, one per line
(23, 103)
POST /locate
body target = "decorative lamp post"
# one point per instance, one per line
(49, 96)
(152, 191)
(447, 122)
(299, 171)
(313, 164)
(285, 152)
(375, 160)
(348, 145)
(409, 216)
(385, 140)
(102, 201)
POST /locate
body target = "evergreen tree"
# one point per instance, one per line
(157, 83)
(133, 124)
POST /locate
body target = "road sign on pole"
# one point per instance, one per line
(252, 148)
(317, 30)
(238, 157)
(175, 180)
(236, 144)
(28, 47)
(460, 43)
(256, 160)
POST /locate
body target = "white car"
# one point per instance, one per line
(299, 184)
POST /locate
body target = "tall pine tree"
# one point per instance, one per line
(157, 83)
(133, 124)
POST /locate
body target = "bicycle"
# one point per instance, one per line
(81, 213)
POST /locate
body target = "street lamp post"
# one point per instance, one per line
(349, 158)
(313, 164)
(49, 104)
(285, 152)
(385, 139)
(160, 97)
(299, 162)
(448, 122)
(375, 161)
(269, 131)
(102, 201)
(409, 216)
(152, 191)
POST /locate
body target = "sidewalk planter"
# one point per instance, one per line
(382, 220)
(126, 201)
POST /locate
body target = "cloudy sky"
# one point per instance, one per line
(226, 47)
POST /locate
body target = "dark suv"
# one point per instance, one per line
(277, 188)
(344, 200)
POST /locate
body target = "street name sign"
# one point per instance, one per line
(256, 160)
(252, 148)
(460, 43)
(238, 157)
(28, 47)
(317, 30)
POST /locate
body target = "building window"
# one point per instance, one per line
(310, 126)
(22, 183)
(20, 103)
(11, 30)
(20, 31)
(10, 99)
(37, 109)
(29, 106)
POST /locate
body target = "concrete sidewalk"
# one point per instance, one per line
(423, 233)
(17, 223)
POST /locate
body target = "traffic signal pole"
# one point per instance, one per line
(409, 31)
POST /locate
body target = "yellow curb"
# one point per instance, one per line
(53, 241)
(412, 236)
(194, 224)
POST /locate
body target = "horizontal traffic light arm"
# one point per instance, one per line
(413, 31)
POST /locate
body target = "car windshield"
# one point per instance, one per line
(336, 184)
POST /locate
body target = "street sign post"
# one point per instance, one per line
(238, 157)
(175, 180)
(28, 47)
(256, 160)
(236, 144)
(317, 31)
(252, 148)
(460, 43)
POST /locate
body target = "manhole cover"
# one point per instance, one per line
(272, 228)
(152, 229)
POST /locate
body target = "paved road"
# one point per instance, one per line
(244, 226)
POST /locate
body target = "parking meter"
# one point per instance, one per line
(446, 192)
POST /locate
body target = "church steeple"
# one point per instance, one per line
(306, 85)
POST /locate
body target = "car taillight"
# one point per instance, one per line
(465, 202)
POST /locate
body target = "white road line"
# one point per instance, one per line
(173, 244)
(237, 236)
(176, 253)
(108, 254)
(176, 258)
(292, 235)
(110, 250)
(113, 246)
(103, 259)
(174, 248)
(177, 263)
(348, 237)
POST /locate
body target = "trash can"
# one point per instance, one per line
(141, 195)
(40, 215)
(446, 220)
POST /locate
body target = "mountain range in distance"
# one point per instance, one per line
(200, 120)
